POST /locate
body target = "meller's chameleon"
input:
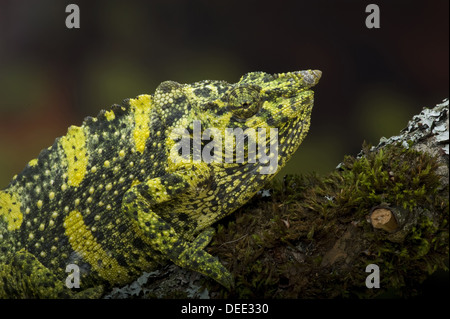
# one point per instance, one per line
(111, 198)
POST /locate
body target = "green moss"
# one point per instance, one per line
(281, 246)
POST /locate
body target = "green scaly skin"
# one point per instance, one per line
(112, 197)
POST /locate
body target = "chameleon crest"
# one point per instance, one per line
(141, 184)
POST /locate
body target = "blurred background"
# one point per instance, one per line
(373, 80)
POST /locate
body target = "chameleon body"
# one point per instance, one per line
(113, 198)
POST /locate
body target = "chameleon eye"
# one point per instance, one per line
(244, 101)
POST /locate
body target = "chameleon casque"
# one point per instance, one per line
(109, 196)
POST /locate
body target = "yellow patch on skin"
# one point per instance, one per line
(10, 210)
(33, 162)
(74, 146)
(83, 242)
(110, 115)
(158, 190)
(135, 182)
(141, 108)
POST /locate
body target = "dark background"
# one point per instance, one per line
(373, 81)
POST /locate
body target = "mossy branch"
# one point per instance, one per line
(314, 236)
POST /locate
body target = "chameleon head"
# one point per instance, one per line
(278, 104)
(282, 101)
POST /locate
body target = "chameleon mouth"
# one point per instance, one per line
(292, 133)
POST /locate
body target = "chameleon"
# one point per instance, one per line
(114, 198)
